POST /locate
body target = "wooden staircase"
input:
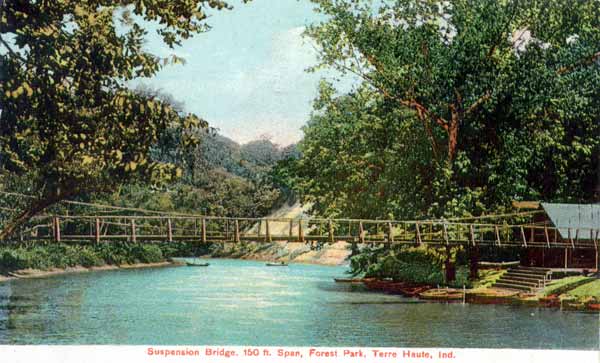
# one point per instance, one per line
(524, 278)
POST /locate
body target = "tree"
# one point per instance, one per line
(69, 121)
(506, 91)
(505, 94)
(360, 158)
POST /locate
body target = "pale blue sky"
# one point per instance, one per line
(247, 75)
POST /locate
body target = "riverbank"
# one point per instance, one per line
(334, 254)
(31, 273)
(572, 293)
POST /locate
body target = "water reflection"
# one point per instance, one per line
(245, 303)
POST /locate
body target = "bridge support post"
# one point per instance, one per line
(203, 232)
(267, 231)
(330, 226)
(169, 230)
(133, 235)
(237, 232)
(291, 231)
(390, 231)
(300, 232)
(97, 231)
(56, 223)
(361, 232)
(259, 227)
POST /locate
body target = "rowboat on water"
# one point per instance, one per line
(345, 280)
(276, 264)
(197, 264)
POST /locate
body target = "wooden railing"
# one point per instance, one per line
(204, 229)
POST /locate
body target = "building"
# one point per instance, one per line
(578, 226)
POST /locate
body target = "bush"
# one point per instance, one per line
(89, 258)
(12, 260)
(418, 265)
(147, 253)
(45, 256)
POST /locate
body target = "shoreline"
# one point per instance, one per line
(38, 274)
(488, 296)
(262, 259)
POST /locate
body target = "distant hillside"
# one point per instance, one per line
(246, 160)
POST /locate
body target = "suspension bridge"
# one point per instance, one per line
(156, 226)
(211, 229)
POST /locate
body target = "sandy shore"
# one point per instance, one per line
(294, 252)
(34, 273)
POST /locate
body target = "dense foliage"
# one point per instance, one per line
(417, 265)
(464, 106)
(69, 122)
(59, 255)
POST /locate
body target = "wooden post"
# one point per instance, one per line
(523, 236)
(497, 235)
(361, 232)
(133, 236)
(300, 233)
(446, 234)
(291, 231)
(259, 227)
(226, 229)
(267, 231)
(57, 229)
(169, 230)
(472, 234)
(203, 226)
(97, 231)
(546, 235)
(419, 240)
(236, 235)
(330, 227)
(390, 233)
(569, 236)
(431, 231)
(576, 238)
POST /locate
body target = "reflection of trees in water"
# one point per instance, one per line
(35, 311)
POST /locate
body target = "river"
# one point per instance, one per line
(235, 302)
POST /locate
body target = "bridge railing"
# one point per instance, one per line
(203, 229)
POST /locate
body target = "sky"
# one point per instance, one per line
(246, 76)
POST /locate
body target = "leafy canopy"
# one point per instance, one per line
(505, 92)
(69, 122)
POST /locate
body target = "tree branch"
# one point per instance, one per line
(583, 62)
(478, 103)
(11, 51)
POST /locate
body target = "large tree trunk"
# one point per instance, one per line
(453, 136)
(33, 209)
(474, 263)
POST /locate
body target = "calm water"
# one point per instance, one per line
(235, 302)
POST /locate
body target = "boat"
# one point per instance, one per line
(395, 287)
(345, 280)
(197, 264)
(276, 264)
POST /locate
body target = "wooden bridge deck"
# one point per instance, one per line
(204, 229)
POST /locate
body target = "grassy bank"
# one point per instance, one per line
(45, 256)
